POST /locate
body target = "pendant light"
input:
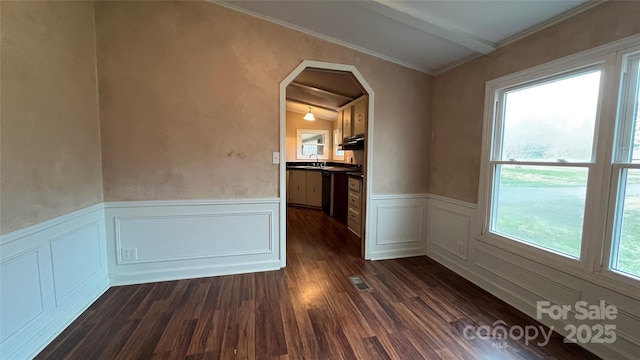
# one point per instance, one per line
(309, 116)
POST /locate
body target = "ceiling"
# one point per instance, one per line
(429, 36)
(323, 90)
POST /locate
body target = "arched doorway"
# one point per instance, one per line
(367, 169)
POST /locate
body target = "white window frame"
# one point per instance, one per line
(613, 172)
(596, 246)
(326, 145)
(494, 91)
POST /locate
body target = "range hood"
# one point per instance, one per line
(355, 142)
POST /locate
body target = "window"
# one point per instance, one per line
(625, 249)
(561, 163)
(311, 143)
(541, 159)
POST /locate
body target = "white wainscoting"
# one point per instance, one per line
(521, 281)
(190, 239)
(49, 274)
(397, 226)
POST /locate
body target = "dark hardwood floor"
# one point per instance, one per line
(416, 310)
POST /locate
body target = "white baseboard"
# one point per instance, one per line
(191, 239)
(521, 281)
(397, 254)
(50, 273)
(191, 273)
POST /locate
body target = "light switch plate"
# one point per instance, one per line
(276, 157)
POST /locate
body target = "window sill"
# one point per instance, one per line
(547, 256)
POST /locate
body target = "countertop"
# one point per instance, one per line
(325, 168)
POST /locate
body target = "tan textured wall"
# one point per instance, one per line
(189, 96)
(458, 101)
(295, 121)
(50, 143)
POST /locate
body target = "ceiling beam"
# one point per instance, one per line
(307, 103)
(428, 24)
(320, 91)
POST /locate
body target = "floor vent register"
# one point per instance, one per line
(359, 283)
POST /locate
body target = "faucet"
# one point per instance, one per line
(317, 161)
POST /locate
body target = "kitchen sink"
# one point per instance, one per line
(309, 167)
(303, 167)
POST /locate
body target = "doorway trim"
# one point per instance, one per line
(283, 151)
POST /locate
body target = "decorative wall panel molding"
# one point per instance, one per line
(49, 274)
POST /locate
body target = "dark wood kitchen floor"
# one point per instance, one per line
(417, 310)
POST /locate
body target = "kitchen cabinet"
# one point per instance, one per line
(297, 187)
(305, 188)
(359, 117)
(314, 188)
(354, 118)
(354, 217)
(347, 126)
(339, 125)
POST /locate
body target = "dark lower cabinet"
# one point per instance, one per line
(340, 197)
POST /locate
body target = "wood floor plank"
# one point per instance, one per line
(218, 328)
(198, 343)
(353, 319)
(416, 309)
(143, 339)
(113, 343)
(231, 336)
(290, 326)
(375, 350)
(247, 330)
(423, 346)
(306, 334)
(270, 339)
(181, 345)
(403, 346)
(316, 317)
(385, 340)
